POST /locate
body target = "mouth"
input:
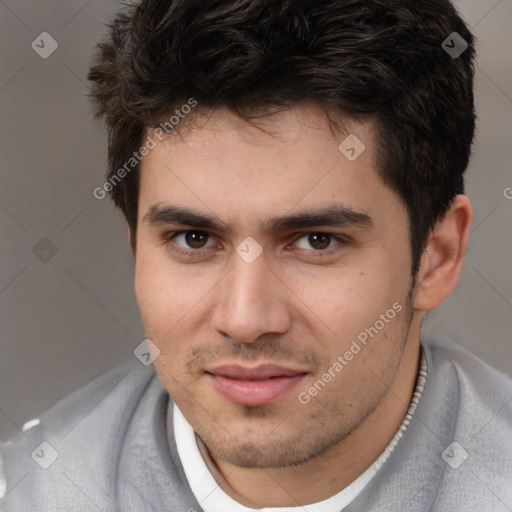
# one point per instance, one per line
(256, 386)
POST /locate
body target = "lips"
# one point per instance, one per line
(257, 386)
(261, 372)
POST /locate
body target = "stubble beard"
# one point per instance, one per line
(326, 425)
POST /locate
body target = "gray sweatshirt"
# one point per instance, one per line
(109, 446)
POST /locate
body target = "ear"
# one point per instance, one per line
(442, 260)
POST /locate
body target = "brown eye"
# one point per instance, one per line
(319, 241)
(192, 240)
(196, 239)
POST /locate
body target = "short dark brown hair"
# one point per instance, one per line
(380, 60)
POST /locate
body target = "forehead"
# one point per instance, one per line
(286, 161)
(220, 128)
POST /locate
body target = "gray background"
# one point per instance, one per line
(70, 318)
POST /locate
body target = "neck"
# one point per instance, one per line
(336, 468)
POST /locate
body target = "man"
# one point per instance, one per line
(292, 178)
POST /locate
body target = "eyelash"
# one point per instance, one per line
(169, 237)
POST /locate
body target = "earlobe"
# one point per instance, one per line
(443, 257)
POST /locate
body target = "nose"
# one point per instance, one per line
(251, 301)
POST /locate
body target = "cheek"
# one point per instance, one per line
(164, 300)
(343, 301)
(168, 298)
(160, 293)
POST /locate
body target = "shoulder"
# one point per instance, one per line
(78, 439)
(447, 357)
(477, 441)
(455, 453)
(480, 394)
(104, 400)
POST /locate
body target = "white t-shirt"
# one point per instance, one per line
(212, 498)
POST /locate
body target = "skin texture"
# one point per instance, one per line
(298, 304)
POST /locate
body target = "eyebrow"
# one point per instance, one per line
(335, 215)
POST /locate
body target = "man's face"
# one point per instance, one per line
(248, 328)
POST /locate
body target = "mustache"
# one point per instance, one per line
(268, 350)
